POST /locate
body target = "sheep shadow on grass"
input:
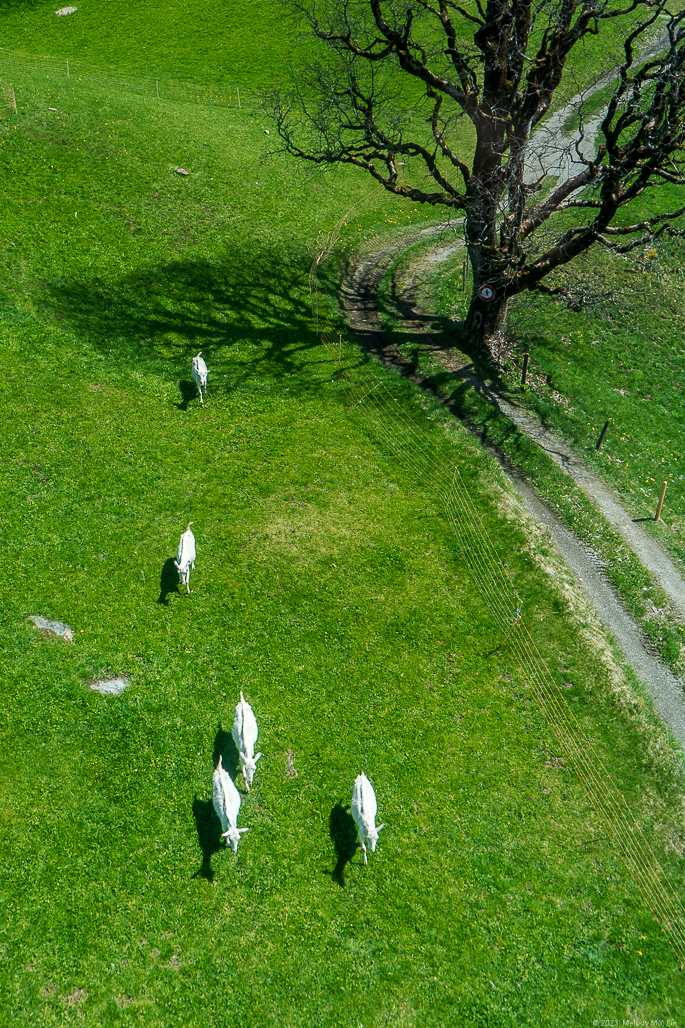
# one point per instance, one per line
(208, 828)
(188, 392)
(207, 820)
(168, 581)
(225, 748)
(343, 832)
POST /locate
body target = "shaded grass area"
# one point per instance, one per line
(327, 587)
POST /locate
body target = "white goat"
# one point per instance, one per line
(226, 800)
(364, 809)
(185, 558)
(245, 736)
(200, 373)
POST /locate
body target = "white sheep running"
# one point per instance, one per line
(245, 733)
(200, 373)
(185, 557)
(364, 809)
(226, 800)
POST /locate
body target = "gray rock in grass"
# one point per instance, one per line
(110, 686)
(182, 171)
(53, 628)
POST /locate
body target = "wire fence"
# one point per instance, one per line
(420, 452)
(70, 73)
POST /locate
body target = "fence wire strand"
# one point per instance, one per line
(70, 73)
(403, 437)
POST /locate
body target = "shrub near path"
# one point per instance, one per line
(327, 587)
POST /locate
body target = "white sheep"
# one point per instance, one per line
(200, 373)
(226, 800)
(364, 809)
(245, 733)
(185, 557)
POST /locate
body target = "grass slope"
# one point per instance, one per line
(327, 588)
(196, 40)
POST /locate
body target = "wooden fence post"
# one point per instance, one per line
(524, 373)
(661, 502)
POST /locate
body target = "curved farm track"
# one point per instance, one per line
(359, 295)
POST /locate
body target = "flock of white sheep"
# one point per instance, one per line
(225, 796)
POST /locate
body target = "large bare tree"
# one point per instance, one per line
(438, 100)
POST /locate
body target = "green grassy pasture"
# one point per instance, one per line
(328, 587)
(228, 47)
(195, 40)
(208, 40)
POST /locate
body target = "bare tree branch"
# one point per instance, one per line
(455, 90)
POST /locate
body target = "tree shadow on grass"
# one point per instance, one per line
(438, 332)
(343, 832)
(436, 335)
(249, 314)
(208, 828)
(225, 748)
(168, 581)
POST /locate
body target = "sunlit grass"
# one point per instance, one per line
(327, 587)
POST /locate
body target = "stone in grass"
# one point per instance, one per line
(67, 10)
(53, 628)
(110, 686)
(182, 171)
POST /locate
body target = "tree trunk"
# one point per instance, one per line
(483, 329)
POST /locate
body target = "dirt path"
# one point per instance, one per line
(662, 685)
(551, 151)
(359, 295)
(556, 154)
(644, 545)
